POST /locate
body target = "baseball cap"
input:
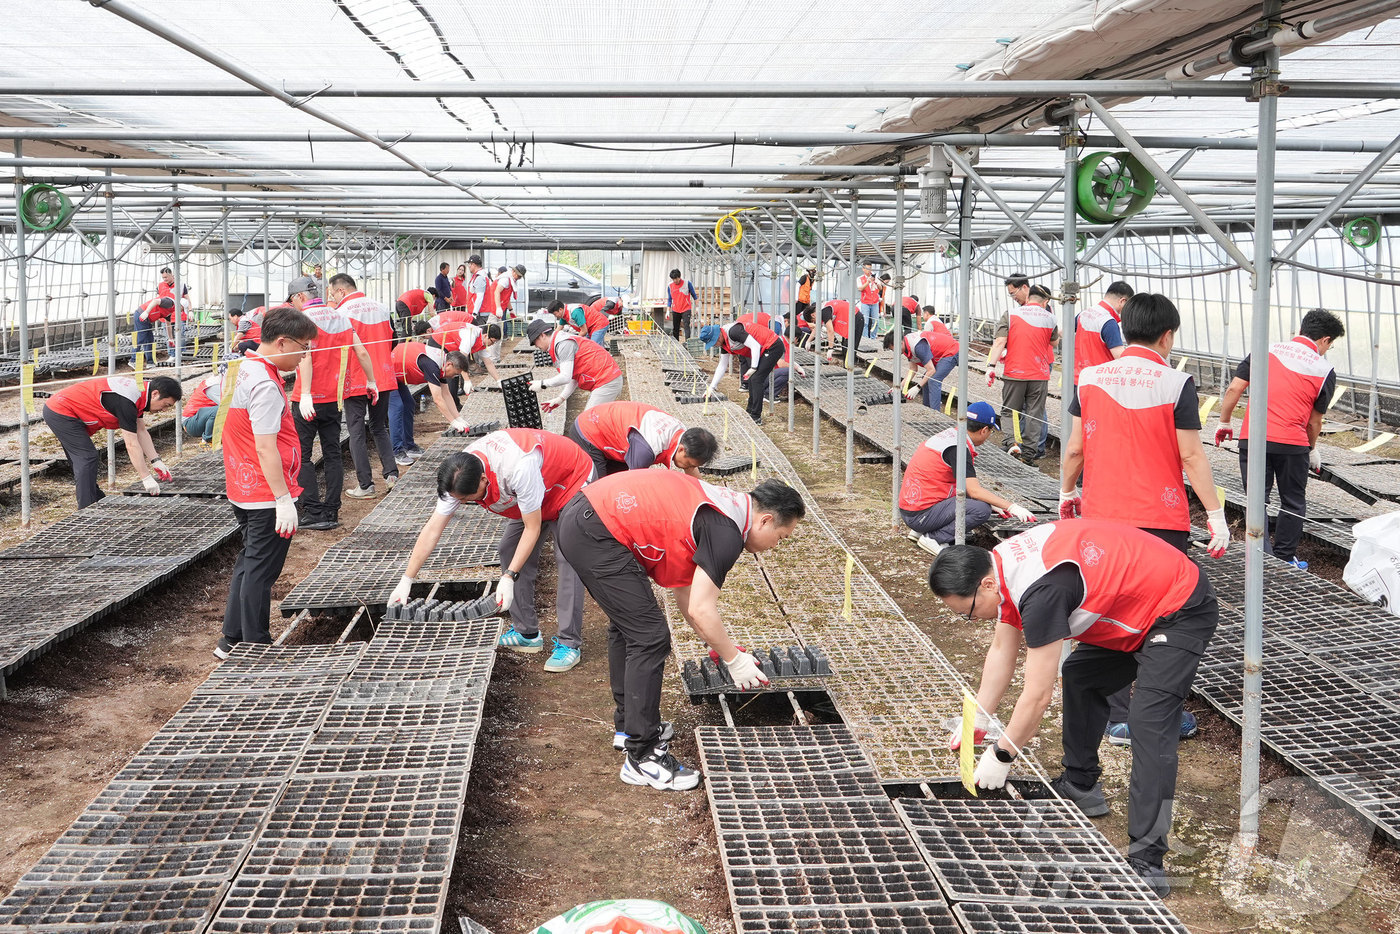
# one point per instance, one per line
(538, 328)
(983, 413)
(303, 284)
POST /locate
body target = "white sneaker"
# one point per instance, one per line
(927, 543)
(912, 535)
(357, 492)
(403, 460)
(660, 770)
(390, 481)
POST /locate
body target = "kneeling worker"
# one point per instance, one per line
(198, 414)
(1139, 609)
(527, 476)
(936, 352)
(634, 436)
(76, 413)
(582, 365)
(928, 500)
(626, 531)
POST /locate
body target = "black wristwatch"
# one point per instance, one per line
(1004, 755)
(513, 575)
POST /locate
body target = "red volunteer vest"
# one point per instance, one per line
(415, 299)
(507, 296)
(1089, 346)
(375, 329)
(765, 336)
(1296, 375)
(1029, 350)
(459, 292)
(1132, 464)
(680, 297)
(606, 426)
(652, 512)
(565, 468)
(207, 393)
(593, 366)
(940, 343)
(154, 312)
(243, 476)
(840, 316)
(594, 319)
(928, 479)
(447, 319)
(869, 290)
(463, 336)
(83, 401)
(761, 318)
(333, 332)
(910, 305)
(405, 358)
(1131, 578)
(254, 329)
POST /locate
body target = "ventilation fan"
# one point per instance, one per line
(44, 208)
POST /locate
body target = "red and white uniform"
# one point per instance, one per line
(1297, 373)
(1090, 349)
(606, 427)
(506, 282)
(405, 358)
(153, 312)
(1131, 578)
(259, 407)
(1030, 347)
(840, 316)
(756, 335)
(83, 401)
(374, 327)
(652, 512)
(466, 337)
(333, 332)
(761, 318)
(869, 290)
(1132, 463)
(594, 318)
(593, 366)
(209, 392)
(415, 299)
(910, 305)
(527, 470)
(478, 294)
(446, 319)
(941, 344)
(928, 479)
(250, 325)
(680, 296)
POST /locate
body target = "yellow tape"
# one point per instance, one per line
(753, 453)
(1337, 395)
(96, 358)
(1220, 495)
(140, 369)
(705, 409)
(26, 387)
(968, 750)
(36, 356)
(871, 367)
(344, 365)
(225, 399)
(1016, 425)
(214, 357)
(948, 406)
(1377, 441)
(196, 340)
(850, 566)
(1208, 406)
(1181, 364)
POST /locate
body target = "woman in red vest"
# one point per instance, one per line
(1138, 609)
(582, 365)
(637, 527)
(76, 413)
(262, 458)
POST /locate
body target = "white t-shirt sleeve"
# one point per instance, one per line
(446, 506)
(527, 482)
(265, 408)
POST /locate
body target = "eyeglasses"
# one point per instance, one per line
(971, 607)
(309, 346)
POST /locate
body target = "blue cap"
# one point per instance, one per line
(983, 413)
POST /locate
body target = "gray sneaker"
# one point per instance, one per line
(1089, 800)
(359, 492)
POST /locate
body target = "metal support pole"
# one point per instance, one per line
(111, 264)
(897, 462)
(852, 339)
(177, 321)
(223, 268)
(817, 336)
(773, 307)
(964, 347)
(1374, 402)
(1070, 291)
(1256, 518)
(792, 331)
(267, 277)
(22, 296)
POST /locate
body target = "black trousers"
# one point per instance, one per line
(602, 465)
(81, 453)
(1290, 471)
(363, 422)
(638, 638)
(680, 323)
(758, 378)
(1163, 667)
(258, 566)
(1118, 704)
(326, 426)
(454, 387)
(843, 343)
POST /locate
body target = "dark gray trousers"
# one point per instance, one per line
(1118, 704)
(940, 519)
(326, 426)
(81, 453)
(568, 598)
(258, 566)
(359, 416)
(1026, 396)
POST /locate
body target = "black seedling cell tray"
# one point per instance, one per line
(452, 635)
(542, 358)
(844, 847)
(522, 405)
(350, 716)
(787, 817)
(730, 465)
(1046, 881)
(313, 699)
(967, 816)
(803, 886)
(207, 768)
(262, 668)
(466, 691)
(783, 665)
(695, 399)
(463, 732)
(758, 787)
(165, 905)
(369, 806)
(1096, 918)
(141, 827)
(776, 737)
(474, 430)
(373, 858)
(276, 905)
(422, 610)
(150, 798)
(403, 756)
(408, 665)
(252, 721)
(818, 760)
(930, 918)
(215, 743)
(68, 865)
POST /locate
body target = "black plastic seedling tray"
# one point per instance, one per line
(783, 665)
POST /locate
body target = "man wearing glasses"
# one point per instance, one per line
(262, 457)
(1138, 608)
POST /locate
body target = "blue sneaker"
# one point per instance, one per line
(1297, 563)
(563, 657)
(1189, 727)
(1117, 734)
(516, 642)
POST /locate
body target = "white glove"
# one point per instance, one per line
(1019, 513)
(152, 487)
(536, 385)
(980, 726)
(467, 386)
(372, 391)
(1219, 532)
(1315, 460)
(458, 424)
(1071, 505)
(308, 407)
(505, 593)
(914, 390)
(286, 516)
(401, 591)
(162, 472)
(743, 668)
(991, 771)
